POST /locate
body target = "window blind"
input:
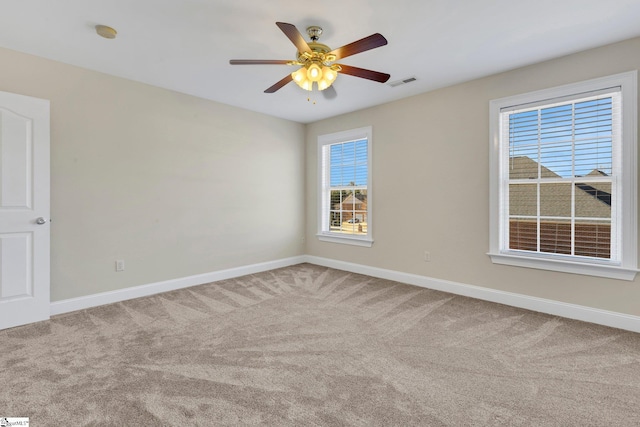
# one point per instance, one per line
(560, 184)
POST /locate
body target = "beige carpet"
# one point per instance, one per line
(308, 345)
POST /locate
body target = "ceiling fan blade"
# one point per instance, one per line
(365, 74)
(330, 93)
(362, 45)
(258, 61)
(280, 84)
(294, 35)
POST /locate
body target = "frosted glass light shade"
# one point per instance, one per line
(300, 77)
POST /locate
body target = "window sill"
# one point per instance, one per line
(346, 240)
(592, 269)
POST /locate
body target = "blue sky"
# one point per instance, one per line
(349, 163)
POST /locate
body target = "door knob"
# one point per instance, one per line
(41, 221)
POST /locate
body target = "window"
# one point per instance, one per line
(563, 178)
(344, 165)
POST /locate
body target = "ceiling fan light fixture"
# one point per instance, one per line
(328, 77)
(301, 79)
(329, 74)
(314, 72)
(300, 75)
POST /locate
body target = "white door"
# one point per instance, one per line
(24, 210)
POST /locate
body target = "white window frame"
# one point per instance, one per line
(626, 267)
(324, 192)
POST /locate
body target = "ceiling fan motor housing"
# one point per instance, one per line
(314, 32)
(318, 53)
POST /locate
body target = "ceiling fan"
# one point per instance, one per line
(317, 60)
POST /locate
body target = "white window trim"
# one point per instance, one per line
(334, 138)
(627, 268)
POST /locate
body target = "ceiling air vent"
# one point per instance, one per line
(403, 81)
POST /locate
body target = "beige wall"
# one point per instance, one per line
(433, 150)
(177, 185)
(172, 184)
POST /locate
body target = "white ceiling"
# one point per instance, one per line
(185, 45)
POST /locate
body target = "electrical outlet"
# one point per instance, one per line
(120, 265)
(427, 256)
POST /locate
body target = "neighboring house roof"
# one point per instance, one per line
(598, 193)
(592, 199)
(352, 200)
(523, 167)
(350, 203)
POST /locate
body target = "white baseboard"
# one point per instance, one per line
(80, 303)
(556, 308)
